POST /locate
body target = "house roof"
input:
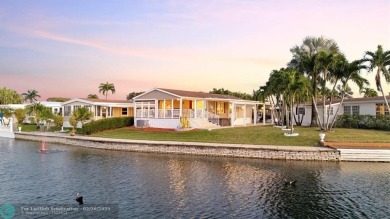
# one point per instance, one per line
(354, 100)
(106, 101)
(102, 102)
(198, 94)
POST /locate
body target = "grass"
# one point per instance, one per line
(257, 135)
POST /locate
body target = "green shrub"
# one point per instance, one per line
(379, 122)
(106, 124)
(58, 120)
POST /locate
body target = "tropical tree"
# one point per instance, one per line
(92, 96)
(57, 99)
(346, 91)
(305, 60)
(20, 115)
(31, 95)
(380, 60)
(8, 96)
(368, 92)
(104, 88)
(131, 95)
(80, 114)
(347, 72)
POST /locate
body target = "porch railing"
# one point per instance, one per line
(169, 113)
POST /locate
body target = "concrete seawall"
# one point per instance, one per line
(190, 148)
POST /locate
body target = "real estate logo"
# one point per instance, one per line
(7, 211)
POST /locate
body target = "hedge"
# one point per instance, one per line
(379, 122)
(106, 124)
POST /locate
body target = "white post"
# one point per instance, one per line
(142, 109)
(233, 115)
(263, 113)
(11, 124)
(255, 114)
(164, 109)
(196, 105)
(148, 109)
(155, 108)
(181, 107)
(172, 108)
(244, 113)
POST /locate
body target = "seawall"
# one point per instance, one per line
(190, 148)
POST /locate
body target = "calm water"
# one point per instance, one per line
(173, 186)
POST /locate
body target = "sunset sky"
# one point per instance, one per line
(67, 48)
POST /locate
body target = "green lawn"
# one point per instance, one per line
(259, 135)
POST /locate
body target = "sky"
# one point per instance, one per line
(66, 48)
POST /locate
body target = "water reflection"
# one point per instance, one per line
(170, 186)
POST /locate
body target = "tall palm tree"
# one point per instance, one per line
(348, 72)
(368, 92)
(31, 95)
(304, 59)
(104, 88)
(379, 60)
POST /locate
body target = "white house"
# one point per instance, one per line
(163, 108)
(99, 107)
(354, 106)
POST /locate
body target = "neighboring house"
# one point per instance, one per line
(354, 106)
(163, 108)
(99, 107)
(56, 108)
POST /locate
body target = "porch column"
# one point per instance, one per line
(148, 109)
(181, 107)
(255, 114)
(111, 113)
(264, 114)
(196, 105)
(244, 114)
(164, 109)
(155, 108)
(172, 109)
(142, 109)
(63, 111)
(233, 116)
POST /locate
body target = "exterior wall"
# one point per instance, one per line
(157, 95)
(190, 148)
(365, 108)
(166, 123)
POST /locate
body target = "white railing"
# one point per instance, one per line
(6, 124)
(175, 113)
(212, 117)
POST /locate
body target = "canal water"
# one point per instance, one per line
(141, 185)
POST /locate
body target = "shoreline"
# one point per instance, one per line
(190, 148)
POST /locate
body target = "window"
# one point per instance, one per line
(124, 111)
(381, 109)
(352, 110)
(347, 110)
(67, 110)
(355, 110)
(301, 110)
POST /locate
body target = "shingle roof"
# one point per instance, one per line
(198, 94)
(106, 101)
(352, 100)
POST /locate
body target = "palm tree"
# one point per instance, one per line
(304, 59)
(347, 72)
(92, 96)
(346, 91)
(368, 92)
(31, 95)
(104, 88)
(379, 60)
